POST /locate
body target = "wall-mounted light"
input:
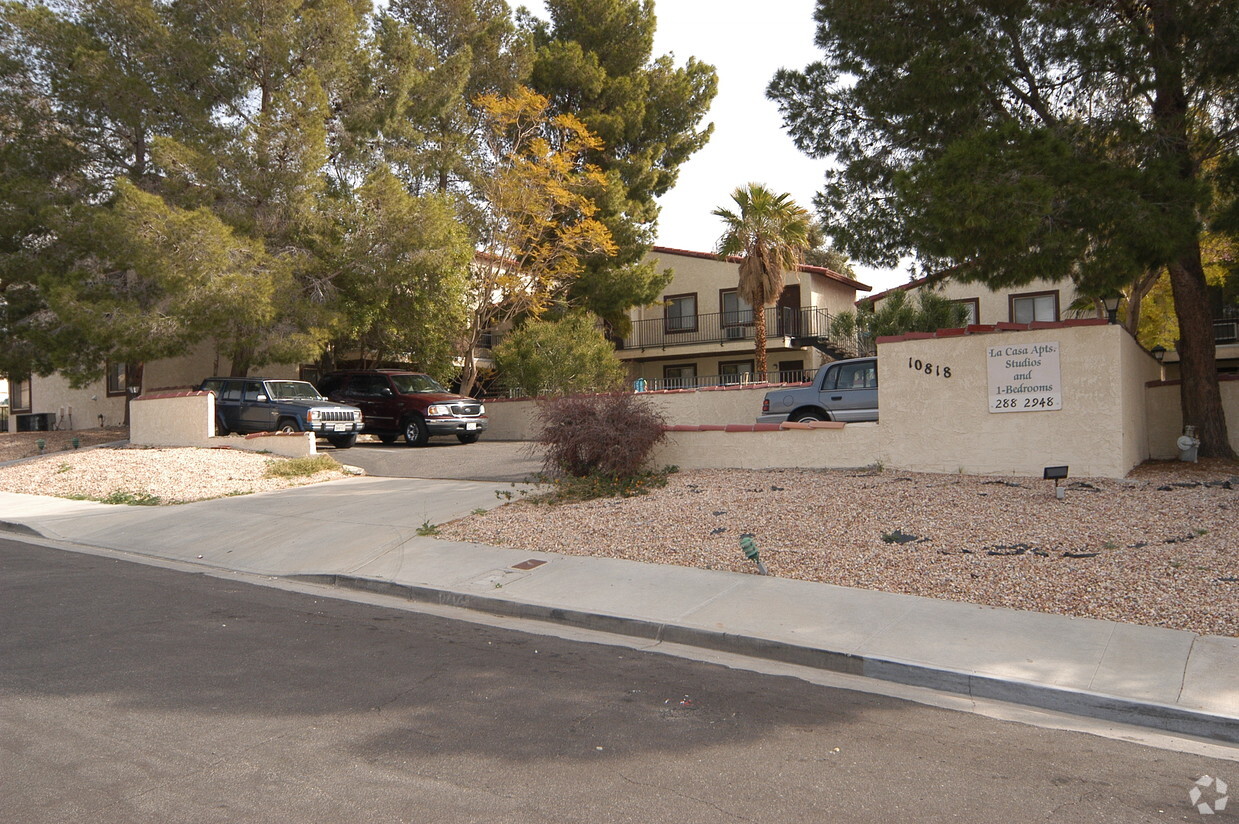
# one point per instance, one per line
(1158, 352)
(1111, 302)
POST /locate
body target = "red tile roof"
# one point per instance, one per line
(804, 267)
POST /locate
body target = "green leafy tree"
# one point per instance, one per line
(595, 61)
(292, 72)
(770, 232)
(137, 280)
(462, 49)
(538, 213)
(1033, 139)
(560, 357)
(84, 91)
(402, 277)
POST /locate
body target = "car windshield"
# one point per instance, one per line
(292, 391)
(414, 384)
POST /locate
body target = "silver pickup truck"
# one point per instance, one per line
(845, 390)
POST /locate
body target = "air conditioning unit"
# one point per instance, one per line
(734, 332)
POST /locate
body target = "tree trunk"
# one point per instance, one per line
(759, 342)
(1199, 395)
(239, 362)
(469, 373)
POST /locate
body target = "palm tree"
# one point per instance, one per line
(771, 232)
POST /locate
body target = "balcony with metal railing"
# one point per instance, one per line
(804, 327)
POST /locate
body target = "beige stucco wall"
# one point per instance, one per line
(515, 420)
(189, 420)
(1165, 417)
(932, 423)
(81, 408)
(855, 445)
(707, 276)
(994, 306)
(1110, 420)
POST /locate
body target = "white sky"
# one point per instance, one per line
(746, 42)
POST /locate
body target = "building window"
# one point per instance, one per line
(734, 372)
(973, 305)
(681, 376)
(116, 379)
(792, 371)
(1037, 306)
(681, 313)
(736, 310)
(19, 395)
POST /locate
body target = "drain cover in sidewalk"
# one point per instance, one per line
(532, 563)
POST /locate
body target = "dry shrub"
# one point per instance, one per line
(598, 434)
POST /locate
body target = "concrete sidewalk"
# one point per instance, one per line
(363, 534)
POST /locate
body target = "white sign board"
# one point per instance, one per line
(1024, 377)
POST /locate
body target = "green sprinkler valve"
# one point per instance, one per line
(750, 551)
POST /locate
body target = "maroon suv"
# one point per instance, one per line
(394, 403)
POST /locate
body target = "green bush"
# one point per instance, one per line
(602, 435)
(559, 357)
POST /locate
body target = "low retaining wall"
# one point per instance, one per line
(516, 419)
(953, 401)
(758, 446)
(187, 418)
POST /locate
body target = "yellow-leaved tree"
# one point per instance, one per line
(536, 202)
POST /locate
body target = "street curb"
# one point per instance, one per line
(1165, 717)
(20, 529)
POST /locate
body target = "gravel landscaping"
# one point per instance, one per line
(149, 475)
(1159, 548)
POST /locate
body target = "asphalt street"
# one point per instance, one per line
(444, 458)
(135, 693)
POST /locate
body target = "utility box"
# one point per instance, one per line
(34, 422)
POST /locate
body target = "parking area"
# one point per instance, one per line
(441, 458)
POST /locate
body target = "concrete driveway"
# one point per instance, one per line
(442, 458)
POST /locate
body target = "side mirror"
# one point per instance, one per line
(385, 392)
(260, 399)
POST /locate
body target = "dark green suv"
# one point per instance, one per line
(245, 405)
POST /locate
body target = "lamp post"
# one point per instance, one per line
(1111, 302)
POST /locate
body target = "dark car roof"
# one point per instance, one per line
(375, 372)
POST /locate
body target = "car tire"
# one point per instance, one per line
(287, 426)
(388, 439)
(810, 416)
(221, 429)
(342, 441)
(415, 431)
(468, 437)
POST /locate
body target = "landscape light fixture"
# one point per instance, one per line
(1055, 474)
(1111, 302)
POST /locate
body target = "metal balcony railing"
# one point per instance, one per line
(724, 327)
(741, 379)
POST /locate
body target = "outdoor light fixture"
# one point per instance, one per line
(1158, 352)
(1111, 302)
(1055, 474)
